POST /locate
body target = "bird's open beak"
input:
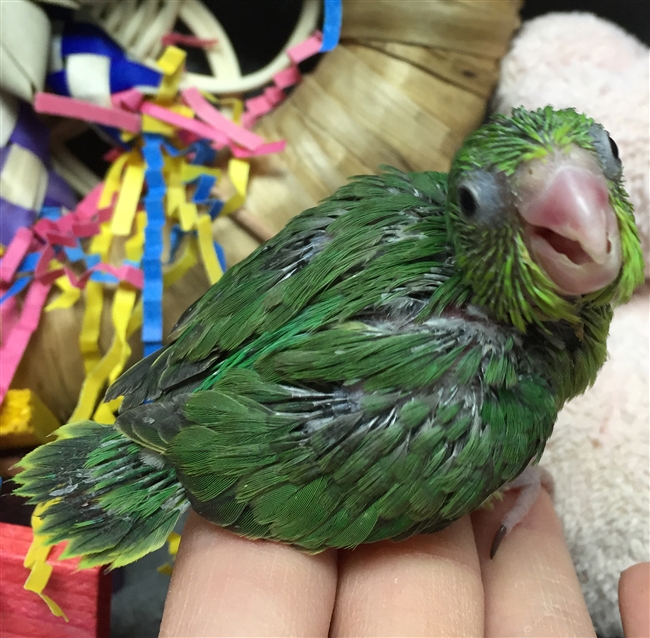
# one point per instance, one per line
(570, 226)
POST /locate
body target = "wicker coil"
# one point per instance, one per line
(409, 80)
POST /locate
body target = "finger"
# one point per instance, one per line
(428, 585)
(224, 585)
(634, 600)
(531, 586)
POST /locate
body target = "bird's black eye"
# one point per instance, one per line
(607, 152)
(481, 196)
(467, 201)
(613, 146)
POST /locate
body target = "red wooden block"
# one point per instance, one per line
(84, 595)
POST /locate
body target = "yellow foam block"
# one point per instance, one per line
(24, 420)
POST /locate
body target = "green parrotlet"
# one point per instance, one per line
(381, 367)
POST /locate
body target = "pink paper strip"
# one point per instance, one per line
(129, 99)
(15, 253)
(9, 315)
(265, 149)
(15, 345)
(188, 40)
(130, 274)
(311, 46)
(85, 229)
(257, 106)
(51, 276)
(43, 227)
(274, 95)
(61, 239)
(112, 155)
(105, 214)
(188, 138)
(80, 110)
(205, 111)
(87, 207)
(180, 121)
(288, 77)
(248, 120)
(43, 263)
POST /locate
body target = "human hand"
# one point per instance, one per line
(431, 585)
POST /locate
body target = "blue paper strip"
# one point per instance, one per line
(104, 277)
(331, 25)
(204, 154)
(172, 151)
(16, 287)
(175, 238)
(152, 290)
(221, 256)
(28, 264)
(76, 253)
(216, 206)
(50, 212)
(204, 184)
(155, 179)
(93, 259)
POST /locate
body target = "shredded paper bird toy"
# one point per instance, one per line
(378, 369)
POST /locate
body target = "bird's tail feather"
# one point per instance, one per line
(110, 499)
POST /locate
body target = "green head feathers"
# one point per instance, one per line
(492, 240)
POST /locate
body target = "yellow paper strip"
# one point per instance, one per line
(101, 243)
(123, 304)
(188, 216)
(187, 260)
(175, 199)
(127, 201)
(182, 109)
(153, 125)
(206, 248)
(238, 171)
(192, 171)
(112, 181)
(91, 324)
(134, 246)
(105, 413)
(171, 60)
(171, 64)
(135, 321)
(112, 363)
(90, 327)
(68, 297)
(40, 570)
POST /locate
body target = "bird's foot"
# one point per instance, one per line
(528, 483)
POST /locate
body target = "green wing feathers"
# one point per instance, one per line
(376, 236)
(101, 495)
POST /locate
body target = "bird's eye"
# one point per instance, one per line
(607, 152)
(613, 146)
(467, 201)
(481, 196)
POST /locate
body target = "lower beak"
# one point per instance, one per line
(571, 228)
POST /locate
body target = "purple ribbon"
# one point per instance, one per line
(4, 153)
(58, 192)
(13, 217)
(31, 133)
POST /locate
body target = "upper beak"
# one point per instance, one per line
(571, 228)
